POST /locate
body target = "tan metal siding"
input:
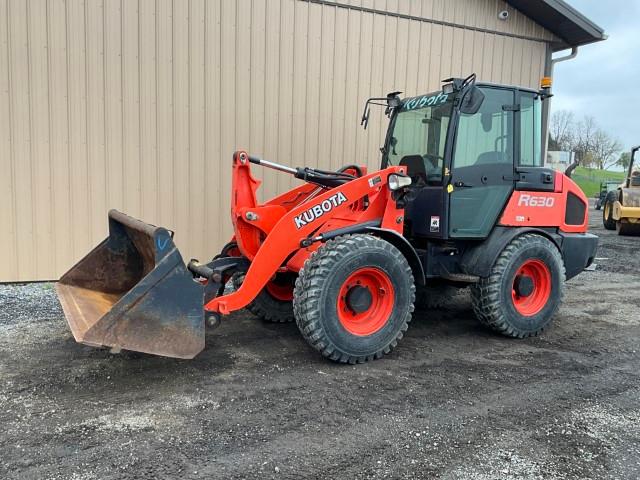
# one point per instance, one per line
(8, 236)
(139, 104)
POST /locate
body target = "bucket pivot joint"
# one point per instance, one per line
(217, 273)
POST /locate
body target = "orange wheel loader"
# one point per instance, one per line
(461, 199)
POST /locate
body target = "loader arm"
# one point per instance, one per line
(285, 236)
(134, 291)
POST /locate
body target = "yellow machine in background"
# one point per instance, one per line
(622, 206)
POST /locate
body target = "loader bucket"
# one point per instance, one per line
(134, 292)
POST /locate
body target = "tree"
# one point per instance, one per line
(624, 160)
(561, 129)
(553, 145)
(593, 146)
(605, 149)
(582, 141)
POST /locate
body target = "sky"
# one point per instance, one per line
(604, 79)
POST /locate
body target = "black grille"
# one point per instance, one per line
(576, 208)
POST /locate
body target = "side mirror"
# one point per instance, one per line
(472, 101)
(393, 101)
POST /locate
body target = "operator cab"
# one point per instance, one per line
(634, 169)
(466, 148)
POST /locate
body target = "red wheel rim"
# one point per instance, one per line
(280, 291)
(374, 316)
(540, 276)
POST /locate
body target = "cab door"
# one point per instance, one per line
(482, 167)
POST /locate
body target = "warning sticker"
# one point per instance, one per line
(435, 224)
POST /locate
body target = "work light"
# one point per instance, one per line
(396, 182)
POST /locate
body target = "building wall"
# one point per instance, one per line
(139, 105)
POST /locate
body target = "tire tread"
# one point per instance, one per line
(485, 295)
(308, 291)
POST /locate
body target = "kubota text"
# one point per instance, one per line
(318, 210)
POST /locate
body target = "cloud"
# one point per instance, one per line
(603, 80)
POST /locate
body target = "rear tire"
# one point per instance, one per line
(354, 297)
(266, 306)
(607, 213)
(498, 301)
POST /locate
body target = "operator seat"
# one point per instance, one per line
(415, 169)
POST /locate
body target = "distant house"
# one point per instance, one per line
(559, 160)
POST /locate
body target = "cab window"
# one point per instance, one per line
(418, 141)
(530, 130)
(485, 137)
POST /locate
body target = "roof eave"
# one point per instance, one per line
(561, 44)
(571, 27)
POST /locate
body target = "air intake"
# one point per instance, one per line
(576, 209)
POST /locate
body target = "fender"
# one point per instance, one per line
(479, 259)
(402, 244)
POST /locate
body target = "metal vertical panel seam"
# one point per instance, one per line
(10, 141)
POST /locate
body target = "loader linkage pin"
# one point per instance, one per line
(212, 319)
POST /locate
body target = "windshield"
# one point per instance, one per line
(418, 137)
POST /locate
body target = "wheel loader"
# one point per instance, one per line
(461, 198)
(622, 204)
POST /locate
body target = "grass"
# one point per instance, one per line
(589, 179)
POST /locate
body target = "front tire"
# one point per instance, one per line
(354, 297)
(524, 289)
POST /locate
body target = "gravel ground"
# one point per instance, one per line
(453, 401)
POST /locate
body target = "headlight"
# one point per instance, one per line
(396, 182)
